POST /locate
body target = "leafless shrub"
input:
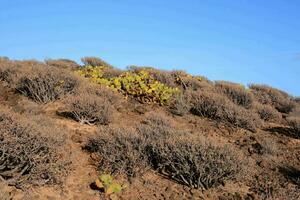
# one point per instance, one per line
(237, 93)
(43, 84)
(8, 72)
(188, 82)
(181, 104)
(95, 61)
(267, 112)
(218, 107)
(28, 153)
(88, 109)
(272, 96)
(121, 152)
(114, 98)
(62, 63)
(294, 122)
(193, 162)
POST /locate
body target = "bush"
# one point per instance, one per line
(180, 104)
(8, 72)
(235, 92)
(95, 62)
(62, 63)
(294, 122)
(140, 85)
(43, 84)
(193, 162)
(274, 97)
(218, 107)
(267, 112)
(104, 92)
(121, 152)
(28, 153)
(189, 82)
(88, 109)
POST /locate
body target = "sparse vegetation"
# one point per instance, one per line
(193, 162)
(218, 107)
(142, 143)
(89, 109)
(62, 63)
(267, 112)
(44, 85)
(294, 122)
(236, 93)
(120, 152)
(95, 62)
(274, 97)
(27, 154)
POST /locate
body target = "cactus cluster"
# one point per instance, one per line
(140, 85)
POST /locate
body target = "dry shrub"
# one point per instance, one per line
(188, 160)
(43, 84)
(274, 97)
(120, 152)
(267, 112)
(113, 97)
(95, 62)
(111, 72)
(294, 122)
(89, 109)
(180, 104)
(236, 92)
(193, 162)
(29, 154)
(62, 63)
(189, 82)
(218, 107)
(8, 72)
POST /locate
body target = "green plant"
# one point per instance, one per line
(108, 184)
(139, 85)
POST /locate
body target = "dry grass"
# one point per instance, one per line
(29, 154)
(237, 93)
(218, 107)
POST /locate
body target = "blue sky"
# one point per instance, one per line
(245, 41)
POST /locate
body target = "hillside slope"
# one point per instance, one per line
(96, 132)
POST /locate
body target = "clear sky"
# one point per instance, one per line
(243, 41)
